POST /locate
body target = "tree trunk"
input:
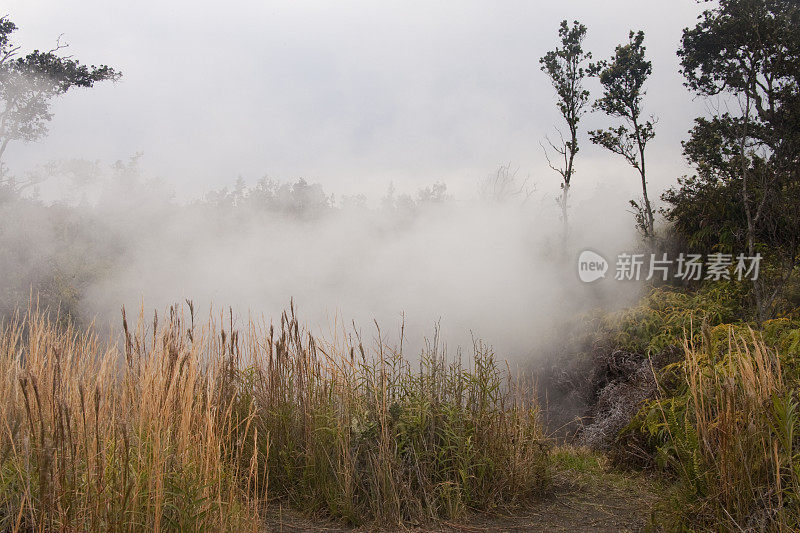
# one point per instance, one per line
(564, 210)
(751, 232)
(648, 210)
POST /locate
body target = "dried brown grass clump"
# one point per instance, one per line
(185, 428)
(95, 439)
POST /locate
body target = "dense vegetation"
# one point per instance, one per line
(196, 428)
(700, 379)
(685, 386)
(724, 418)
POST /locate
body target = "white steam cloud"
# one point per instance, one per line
(488, 267)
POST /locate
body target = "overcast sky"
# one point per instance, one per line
(349, 94)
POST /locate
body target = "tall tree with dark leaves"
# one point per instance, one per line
(28, 84)
(744, 55)
(565, 68)
(623, 78)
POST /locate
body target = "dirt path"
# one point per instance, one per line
(587, 495)
(619, 503)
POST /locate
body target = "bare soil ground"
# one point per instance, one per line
(586, 495)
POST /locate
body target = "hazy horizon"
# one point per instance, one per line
(354, 96)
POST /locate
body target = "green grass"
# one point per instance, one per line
(578, 460)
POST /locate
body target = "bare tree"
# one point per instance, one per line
(503, 185)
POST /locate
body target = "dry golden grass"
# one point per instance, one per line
(178, 427)
(98, 440)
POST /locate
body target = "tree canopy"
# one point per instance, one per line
(623, 79)
(29, 82)
(564, 67)
(744, 55)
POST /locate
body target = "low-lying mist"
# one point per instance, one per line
(493, 265)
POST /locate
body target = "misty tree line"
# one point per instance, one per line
(742, 56)
(56, 252)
